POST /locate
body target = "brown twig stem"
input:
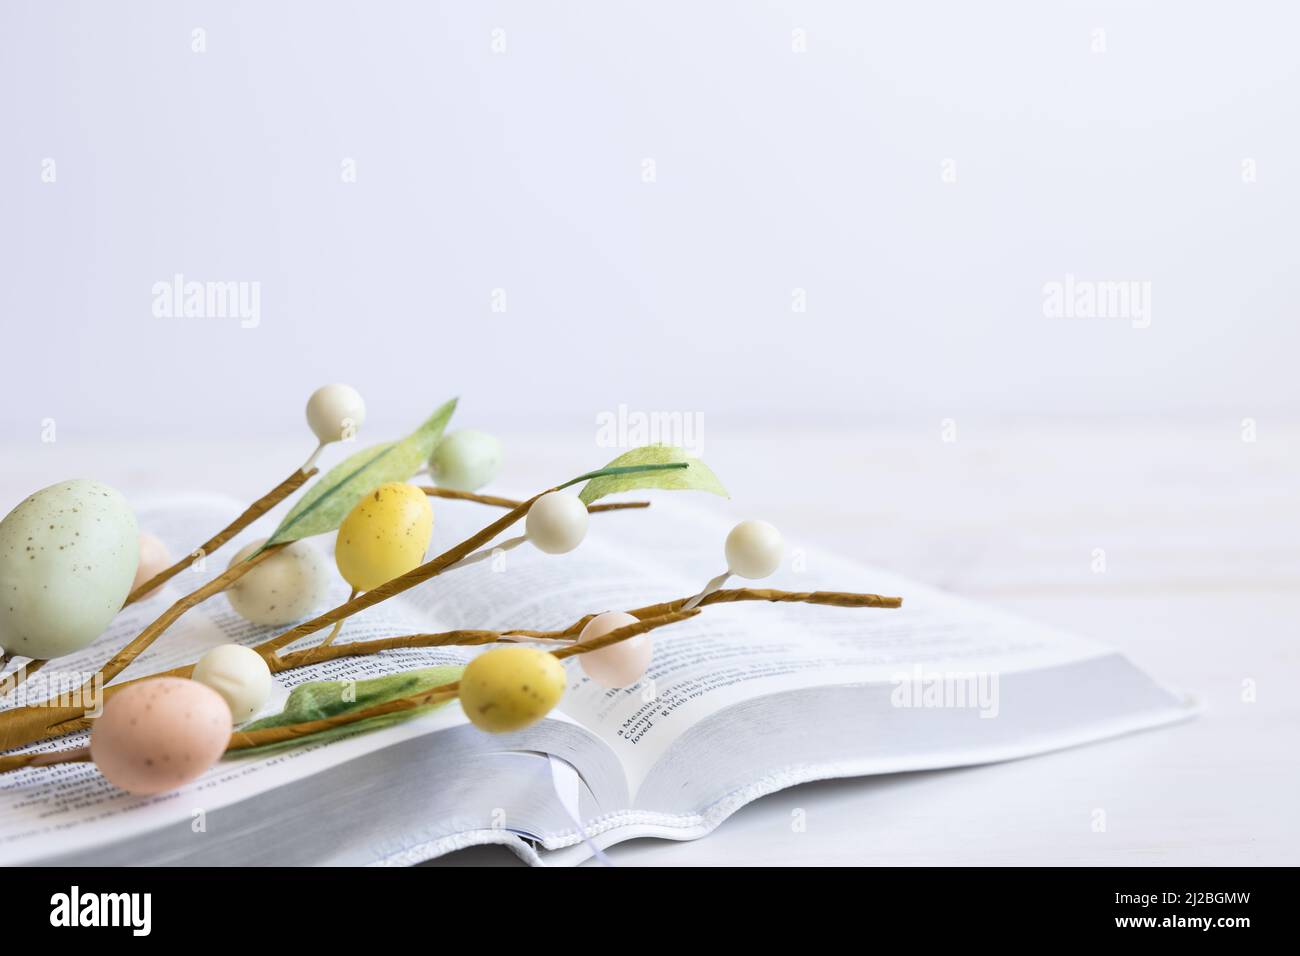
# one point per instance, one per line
(499, 502)
(123, 658)
(11, 682)
(338, 625)
(242, 740)
(254, 511)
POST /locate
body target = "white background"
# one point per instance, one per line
(522, 171)
(776, 171)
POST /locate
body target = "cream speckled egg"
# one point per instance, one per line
(286, 587)
(68, 555)
(621, 664)
(160, 734)
(154, 559)
(239, 674)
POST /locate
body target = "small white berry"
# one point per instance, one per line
(335, 412)
(239, 674)
(556, 523)
(754, 549)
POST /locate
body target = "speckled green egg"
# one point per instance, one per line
(68, 555)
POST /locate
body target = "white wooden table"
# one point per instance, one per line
(1201, 538)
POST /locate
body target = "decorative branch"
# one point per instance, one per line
(241, 740)
(74, 721)
(435, 492)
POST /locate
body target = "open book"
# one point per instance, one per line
(738, 702)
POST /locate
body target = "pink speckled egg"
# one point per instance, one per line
(160, 734)
(618, 665)
(154, 558)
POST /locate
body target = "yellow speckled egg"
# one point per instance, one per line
(384, 536)
(509, 688)
(160, 734)
(68, 555)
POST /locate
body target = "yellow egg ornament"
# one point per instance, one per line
(384, 536)
(510, 688)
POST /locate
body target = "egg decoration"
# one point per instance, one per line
(510, 688)
(618, 665)
(160, 734)
(465, 460)
(239, 674)
(385, 535)
(154, 559)
(68, 555)
(286, 587)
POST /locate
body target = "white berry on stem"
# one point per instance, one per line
(556, 523)
(239, 674)
(754, 549)
(335, 412)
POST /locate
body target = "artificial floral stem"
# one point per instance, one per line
(431, 569)
(338, 626)
(70, 719)
(309, 465)
(254, 511)
(507, 545)
(242, 740)
(434, 492)
(709, 588)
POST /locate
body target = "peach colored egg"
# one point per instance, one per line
(154, 557)
(160, 734)
(618, 665)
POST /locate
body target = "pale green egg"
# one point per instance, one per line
(466, 460)
(68, 555)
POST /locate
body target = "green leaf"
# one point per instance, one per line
(318, 700)
(696, 476)
(328, 502)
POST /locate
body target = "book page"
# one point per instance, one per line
(738, 652)
(729, 653)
